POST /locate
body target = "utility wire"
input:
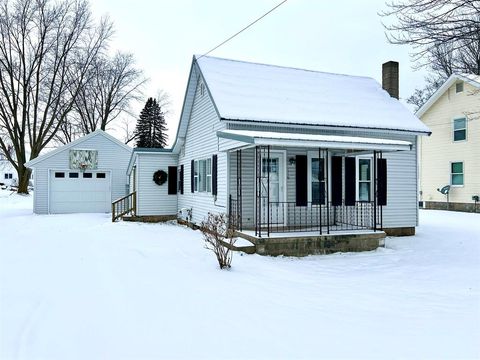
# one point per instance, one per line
(242, 30)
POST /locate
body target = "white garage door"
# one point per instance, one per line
(80, 192)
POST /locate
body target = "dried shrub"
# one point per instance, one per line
(219, 238)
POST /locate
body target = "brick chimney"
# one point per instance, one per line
(390, 78)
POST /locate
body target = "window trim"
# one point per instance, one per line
(452, 173)
(357, 177)
(327, 162)
(462, 117)
(197, 177)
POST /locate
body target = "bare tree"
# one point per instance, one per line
(444, 35)
(111, 85)
(46, 50)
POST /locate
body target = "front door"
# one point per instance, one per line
(274, 184)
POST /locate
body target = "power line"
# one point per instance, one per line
(245, 28)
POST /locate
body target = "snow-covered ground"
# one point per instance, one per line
(80, 287)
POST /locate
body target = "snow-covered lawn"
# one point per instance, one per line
(80, 287)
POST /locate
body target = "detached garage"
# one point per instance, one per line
(84, 176)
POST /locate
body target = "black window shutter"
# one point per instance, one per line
(301, 180)
(172, 180)
(350, 181)
(192, 175)
(214, 174)
(336, 180)
(181, 179)
(382, 182)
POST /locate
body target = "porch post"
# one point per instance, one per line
(374, 191)
(269, 164)
(239, 190)
(320, 180)
(258, 191)
(326, 190)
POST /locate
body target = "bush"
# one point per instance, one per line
(218, 238)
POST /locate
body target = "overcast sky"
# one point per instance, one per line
(341, 36)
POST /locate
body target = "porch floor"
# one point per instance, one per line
(302, 243)
(297, 234)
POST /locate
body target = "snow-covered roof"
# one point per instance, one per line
(471, 79)
(244, 91)
(314, 140)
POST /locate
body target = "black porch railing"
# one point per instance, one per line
(287, 217)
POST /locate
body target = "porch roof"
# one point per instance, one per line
(247, 138)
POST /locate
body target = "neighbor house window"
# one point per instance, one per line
(101, 175)
(8, 176)
(459, 87)
(364, 179)
(456, 173)
(73, 175)
(59, 174)
(317, 181)
(87, 175)
(203, 175)
(459, 129)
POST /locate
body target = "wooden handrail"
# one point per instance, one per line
(124, 205)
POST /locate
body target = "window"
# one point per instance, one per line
(459, 87)
(101, 175)
(456, 175)
(73, 175)
(459, 129)
(87, 175)
(8, 176)
(364, 179)
(203, 175)
(59, 174)
(202, 89)
(317, 181)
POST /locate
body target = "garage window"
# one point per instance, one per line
(87, 175)
(59, 174)
(100, 175)
(73, 175)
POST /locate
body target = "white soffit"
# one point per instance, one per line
(251, 138)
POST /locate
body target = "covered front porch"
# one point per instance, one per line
(310, 190)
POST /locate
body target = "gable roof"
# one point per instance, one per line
(244, 91)
(471, 79)
(74, 143)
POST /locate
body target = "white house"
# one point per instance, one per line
(85, 175)
(450, 157)
(287, 152)
(8, 174)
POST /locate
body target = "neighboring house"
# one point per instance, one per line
(85, 175)
(451, 156)
(290, 155)
(8, 174)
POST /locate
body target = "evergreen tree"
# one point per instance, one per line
(151, 126)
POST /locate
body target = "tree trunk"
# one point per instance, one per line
(23, 179)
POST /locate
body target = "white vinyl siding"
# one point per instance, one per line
(112, 157)
(153, 199)
(200, 144)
